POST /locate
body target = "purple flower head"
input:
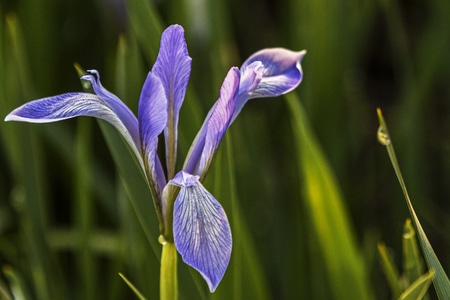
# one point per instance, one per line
(200, 227)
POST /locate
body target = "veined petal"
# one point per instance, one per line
(214, 127)
(152, 114)
(201, 230)
(122, 111)
(70, 105)
(269, 73)
(173, 67)
(281, 71)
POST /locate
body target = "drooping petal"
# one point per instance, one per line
(214, 127)
(152, 115)
(173, 67)
(201, 230)
(122, 111)
(70, 105)
(269, 73)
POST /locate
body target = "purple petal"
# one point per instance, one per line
(214, 127)
(122, 111)
(173, 67)
(152, 114)
(269, 73)
(68, 106)
(201, 230)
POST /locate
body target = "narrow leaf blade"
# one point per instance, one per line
(330, 221)
(441, 281)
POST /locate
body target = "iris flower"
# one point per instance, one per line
(200, 228)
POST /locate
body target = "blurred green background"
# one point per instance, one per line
(67, 218)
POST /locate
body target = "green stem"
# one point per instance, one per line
(169, 282)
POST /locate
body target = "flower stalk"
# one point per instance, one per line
(168, 277)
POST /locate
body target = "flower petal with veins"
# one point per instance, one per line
(173, 67)
(152, 115)
(214, 127)
(70, 105)
(201, 230)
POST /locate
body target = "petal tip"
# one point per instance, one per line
(16, 118)
(9, 117)
(301, 54)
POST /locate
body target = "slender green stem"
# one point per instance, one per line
(169, 195)
(169, 280)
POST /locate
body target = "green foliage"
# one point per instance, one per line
(441, 281)
(412, 284)
(307, 189)
(340, 256)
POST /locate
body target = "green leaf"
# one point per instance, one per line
(441, 282)
(390, 271)
(83, 208)
(412, 258)
(132, 287)
(343, 262)
(147, 25)
(418, 288)
(135, 184)
(142, 266)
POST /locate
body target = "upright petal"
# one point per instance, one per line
(121, 110)
(201, 230)
(173, 67)
(70, 105)
(152, 115)
(214, 127)
(269, 73)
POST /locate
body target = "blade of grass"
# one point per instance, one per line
(135, 184)
(83, 209)
(441, 281)
(331, 224)
(132, 287)
(417, 290)
(147, 26)
(141, 266)
(390, 271)
(412, 259)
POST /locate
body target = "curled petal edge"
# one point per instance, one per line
(269, 73)
(122, 111)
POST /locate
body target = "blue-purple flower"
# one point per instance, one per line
(200, 228)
